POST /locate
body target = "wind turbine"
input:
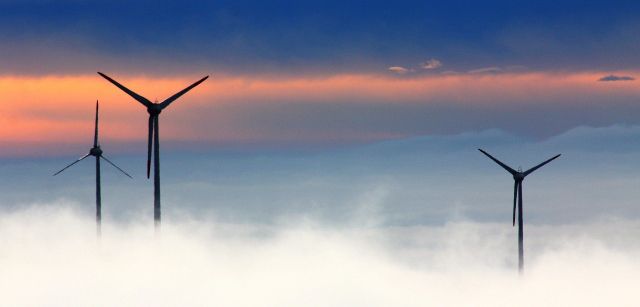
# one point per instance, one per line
(96, 151)
(518, 177)
(154, 110)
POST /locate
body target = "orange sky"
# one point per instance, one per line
(41, 109)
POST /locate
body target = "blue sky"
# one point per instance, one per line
(317, 37)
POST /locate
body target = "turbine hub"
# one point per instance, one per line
(154, 109)
(518, 176)
(95, 151)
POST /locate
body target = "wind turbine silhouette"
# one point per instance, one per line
(154, 110)
(96, 151)
(518, 177)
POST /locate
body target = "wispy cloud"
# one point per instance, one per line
(398, 70)
(616, 78)
(498, 69)
(486, 70)
(431, 64)
(515, 68)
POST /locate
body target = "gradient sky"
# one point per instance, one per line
(313, 74)
(331, 157)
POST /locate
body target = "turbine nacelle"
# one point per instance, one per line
(95, 151)
(519, 176)
(154, 109)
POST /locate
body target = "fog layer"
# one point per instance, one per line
(49, 256)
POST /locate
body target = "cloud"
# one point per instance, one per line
(431, 64)
(496, 69)
(515, 68)
(399, 70)
(616, 78)
(428, 65)
(486, 70)
(50, 255)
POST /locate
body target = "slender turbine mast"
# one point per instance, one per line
(96, 152)
(518, 177)
(154, 110)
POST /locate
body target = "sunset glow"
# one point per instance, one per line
(39, 109)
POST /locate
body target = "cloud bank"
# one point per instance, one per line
(414, 222)
(51, 257)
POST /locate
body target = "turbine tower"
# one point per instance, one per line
(96, 151)
(154, 110)
(518, 177)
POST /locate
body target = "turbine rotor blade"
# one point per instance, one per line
(74, 162)
(131, 93)
(515, 197)
(531, 170)
(149, 145)
(506, 167)
(177, 95)
(108, 161)
(95, 136)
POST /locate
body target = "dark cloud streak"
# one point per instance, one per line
(616, 78)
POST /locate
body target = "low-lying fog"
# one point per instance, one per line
(416, 222)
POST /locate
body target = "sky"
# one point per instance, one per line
(286, 73)
(334, 143)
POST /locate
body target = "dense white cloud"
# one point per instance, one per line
(50, 257)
